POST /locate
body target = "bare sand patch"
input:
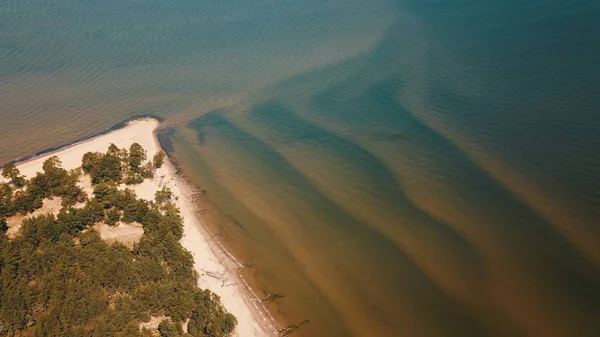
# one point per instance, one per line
(153, 323)
(14, 225)
(49, 206)
(127, 234)
(85, 183)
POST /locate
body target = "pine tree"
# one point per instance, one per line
(11, 172)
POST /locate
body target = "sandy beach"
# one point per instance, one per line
(216, 267)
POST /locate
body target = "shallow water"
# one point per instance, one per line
(393, 168)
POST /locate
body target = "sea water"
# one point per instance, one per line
(391, 168)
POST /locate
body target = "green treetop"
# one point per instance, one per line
(158, 159)
(137, 154)
(59, 278)
(11, 172)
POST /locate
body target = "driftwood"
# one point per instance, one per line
(271, 297)
(245, 265)
(194, 195)
(290, 329)
(217, 234)
(215, 275)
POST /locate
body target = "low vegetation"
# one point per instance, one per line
(59, 278)
(163, 195)
(158, 159)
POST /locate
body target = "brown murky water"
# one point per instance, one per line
(401, 168)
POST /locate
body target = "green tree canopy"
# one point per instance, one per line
(6, 194)
(59, 278)
(10, 171)
(158, 159)
(3, 225)
(51, 164)
(137, 155)
(163, 195)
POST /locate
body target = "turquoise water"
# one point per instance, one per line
(393, 168)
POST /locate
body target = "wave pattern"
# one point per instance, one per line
(442, 140)
(401, 168)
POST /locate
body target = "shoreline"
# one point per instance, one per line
(216, 267)
(267, 321)
(219, 249)
(53, 149)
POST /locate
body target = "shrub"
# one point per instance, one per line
(158, 159)
(163, 195)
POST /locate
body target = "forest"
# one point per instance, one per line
(59, 278)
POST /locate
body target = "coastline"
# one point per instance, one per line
(81, 140)
(216, 267)
(243, 291)
(234, 292)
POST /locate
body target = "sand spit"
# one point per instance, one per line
(217, 268)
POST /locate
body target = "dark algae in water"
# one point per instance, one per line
(415, 186)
